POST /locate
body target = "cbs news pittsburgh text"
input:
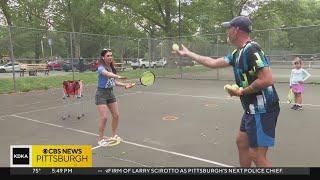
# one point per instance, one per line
(77, 160)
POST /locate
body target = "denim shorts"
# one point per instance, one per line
(105, 96)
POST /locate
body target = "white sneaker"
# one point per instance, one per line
(116, 137)
(103, 142)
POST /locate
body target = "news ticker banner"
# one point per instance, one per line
(163, 171)
(50, 156)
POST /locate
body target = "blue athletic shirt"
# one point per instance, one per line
(246, 63)
(104, 81)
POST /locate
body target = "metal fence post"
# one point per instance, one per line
(218, 75)
(71, 55)
(109, 42)
(269, 44)
(12, 60)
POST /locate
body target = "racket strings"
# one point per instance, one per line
(147, 78)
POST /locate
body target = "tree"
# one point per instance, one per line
(286, 14)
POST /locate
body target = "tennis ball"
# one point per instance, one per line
(235, 86)
(175, 47)
(227, 86)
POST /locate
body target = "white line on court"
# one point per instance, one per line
(155, 93)
(44, 109)
(55, 107)
(122, 159)
(213, 97)
(178, 154)
(96, 147)
(128, 142)
(22, 105)
(188, 95)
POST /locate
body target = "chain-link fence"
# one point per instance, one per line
(78, 52)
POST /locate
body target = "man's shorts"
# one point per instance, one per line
(105, 96)
(260, 128)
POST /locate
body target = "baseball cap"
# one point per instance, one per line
(243, 22)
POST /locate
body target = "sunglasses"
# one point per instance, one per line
(107, 49)
(104, 51)
(296, 63)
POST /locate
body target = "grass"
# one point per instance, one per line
(25, 84)
(314, 83)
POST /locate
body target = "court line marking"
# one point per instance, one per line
(55, 107)
(213, 97)
(155, 93)
(96, 147)
(127, 142)
(41, 92)
(122, 159)
(22, 105)
(178, 154)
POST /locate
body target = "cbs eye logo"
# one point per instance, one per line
(20, 156)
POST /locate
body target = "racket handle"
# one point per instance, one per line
(130, 85)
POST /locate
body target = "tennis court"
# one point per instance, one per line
(202, 134)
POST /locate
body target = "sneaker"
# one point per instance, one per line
(299, 107)
(294, 107)
(116, 137)
(103, 142)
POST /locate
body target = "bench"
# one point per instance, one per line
(120, 66)
(33, 69)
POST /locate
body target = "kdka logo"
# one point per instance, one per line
(20, 156)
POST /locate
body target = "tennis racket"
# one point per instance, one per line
(290, 97)
(146, 79)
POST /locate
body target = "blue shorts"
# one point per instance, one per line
(260, 128)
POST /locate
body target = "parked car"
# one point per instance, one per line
(55, 65)
(141, 63)
(315, 57)
(94, 65)
(185, 63)
(82, 65)
(66, 66)
(8, 67)
(161, 63)
(77, 64)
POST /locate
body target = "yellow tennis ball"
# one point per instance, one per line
(175, 47)
(235, 86)
(227, 86)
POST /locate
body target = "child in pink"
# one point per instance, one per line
(297, 78)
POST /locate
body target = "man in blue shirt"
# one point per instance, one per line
(257, 93)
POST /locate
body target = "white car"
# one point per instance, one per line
(141, 63)
(8, 67)
(161, 63)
